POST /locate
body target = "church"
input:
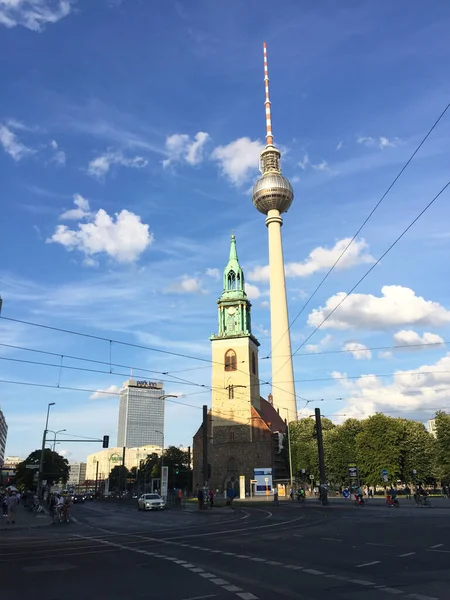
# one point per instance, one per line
(244, 429)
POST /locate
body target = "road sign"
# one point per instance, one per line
(311, 477)
(32, 466)
(353, 472)
(384, 473)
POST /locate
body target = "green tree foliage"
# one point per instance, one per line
(443, 446)
(118, 478)
(400, 446)
(340, 450)
(55, 470)
(304, 445)
(178, 463)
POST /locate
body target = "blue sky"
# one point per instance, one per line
(129, 140)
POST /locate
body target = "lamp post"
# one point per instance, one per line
(56, 433)
(163, 397)
(41, 459)
(289, 451)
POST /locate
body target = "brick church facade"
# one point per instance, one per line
(245, 431)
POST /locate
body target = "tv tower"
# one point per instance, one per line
(272, 195)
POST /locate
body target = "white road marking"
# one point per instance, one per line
(219, 581)
(256, 559)
(331, 539)
(207, 575)
(247, 596)
(295, 567)
(436, 546)
(338, 577)
(201, 597)
(273, 562)
(360, 581)
(388, 590)
(407, 554)
(197, 570)
(232, 588)
(382, 545)
(313, 572)
(421, 597)
(374, 562)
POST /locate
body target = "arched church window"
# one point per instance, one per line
(253, 363)
(230, 360)
(231, 280)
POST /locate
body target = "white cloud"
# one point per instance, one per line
(187, 285)
(181, 147)
(122, 238)
(33, 14)
(213, 272)
(304, 162)
(397, 306)
(252, 291)
(379, 142)
(339, 146)
(295, 179)
(385, 354)
(408, 337)
(111, 390)
(81, 212)
(99, 167)
(314, 348)
(410, 390)
(9, 140)
(358, 351)
(260, 273)
(322, 166)
(59, 157)
(238, 159)
(265, 304)
(321, 259)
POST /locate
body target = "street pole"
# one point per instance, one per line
(123, 469)
(290, 459)
(205, 444)
(96, 476)
(54, 439)
(323, 478)
(41, 459)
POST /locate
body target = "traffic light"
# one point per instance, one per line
(105, 441)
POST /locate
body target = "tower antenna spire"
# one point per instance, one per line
(269, 137)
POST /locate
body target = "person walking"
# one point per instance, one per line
(3, 500)
(211, 498)
(11, 503)
(200, 498)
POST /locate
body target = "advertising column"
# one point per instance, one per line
(164, 481)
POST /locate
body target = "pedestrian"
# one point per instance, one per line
(3, 499)
(200, 498)
(211, 498)
(230, 496)
(370, 493)
(11, 503)
(275, 496)
(407, 492)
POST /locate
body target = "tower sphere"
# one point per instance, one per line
(272, 191)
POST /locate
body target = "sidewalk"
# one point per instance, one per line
(25, 520)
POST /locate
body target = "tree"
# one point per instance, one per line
(378, 447)
(442, 421)
(417, 453)
(118, 478)
(178, 462)
(340, 450)
(304, 451)
(55, 469)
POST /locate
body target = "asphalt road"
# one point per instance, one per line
(112, 551)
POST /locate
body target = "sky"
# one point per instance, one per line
(130, 133)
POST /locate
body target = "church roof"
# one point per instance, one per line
(271, 416)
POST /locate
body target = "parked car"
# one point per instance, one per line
(78, 499)
(151, 502)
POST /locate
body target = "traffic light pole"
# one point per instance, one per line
(205, 444)
(323, 478)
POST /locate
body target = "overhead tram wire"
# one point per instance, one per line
(130, 344)
(369, 216)
(423, 211)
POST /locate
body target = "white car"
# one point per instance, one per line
(151, 502)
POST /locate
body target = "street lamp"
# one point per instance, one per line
(289, 450)
(41, 459)
(56, 433)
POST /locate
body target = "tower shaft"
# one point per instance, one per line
(272, 195)
(283, 388)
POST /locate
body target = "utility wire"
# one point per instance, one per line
(423, 211)
(405, 166)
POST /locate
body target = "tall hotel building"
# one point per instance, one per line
(141, 414)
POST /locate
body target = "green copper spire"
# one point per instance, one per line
(233, 276)
(234, 306)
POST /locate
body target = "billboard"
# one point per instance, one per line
(164, 481)
(263, 481)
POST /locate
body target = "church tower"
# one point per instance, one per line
(235, 377)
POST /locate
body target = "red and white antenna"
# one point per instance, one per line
(269, 137)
